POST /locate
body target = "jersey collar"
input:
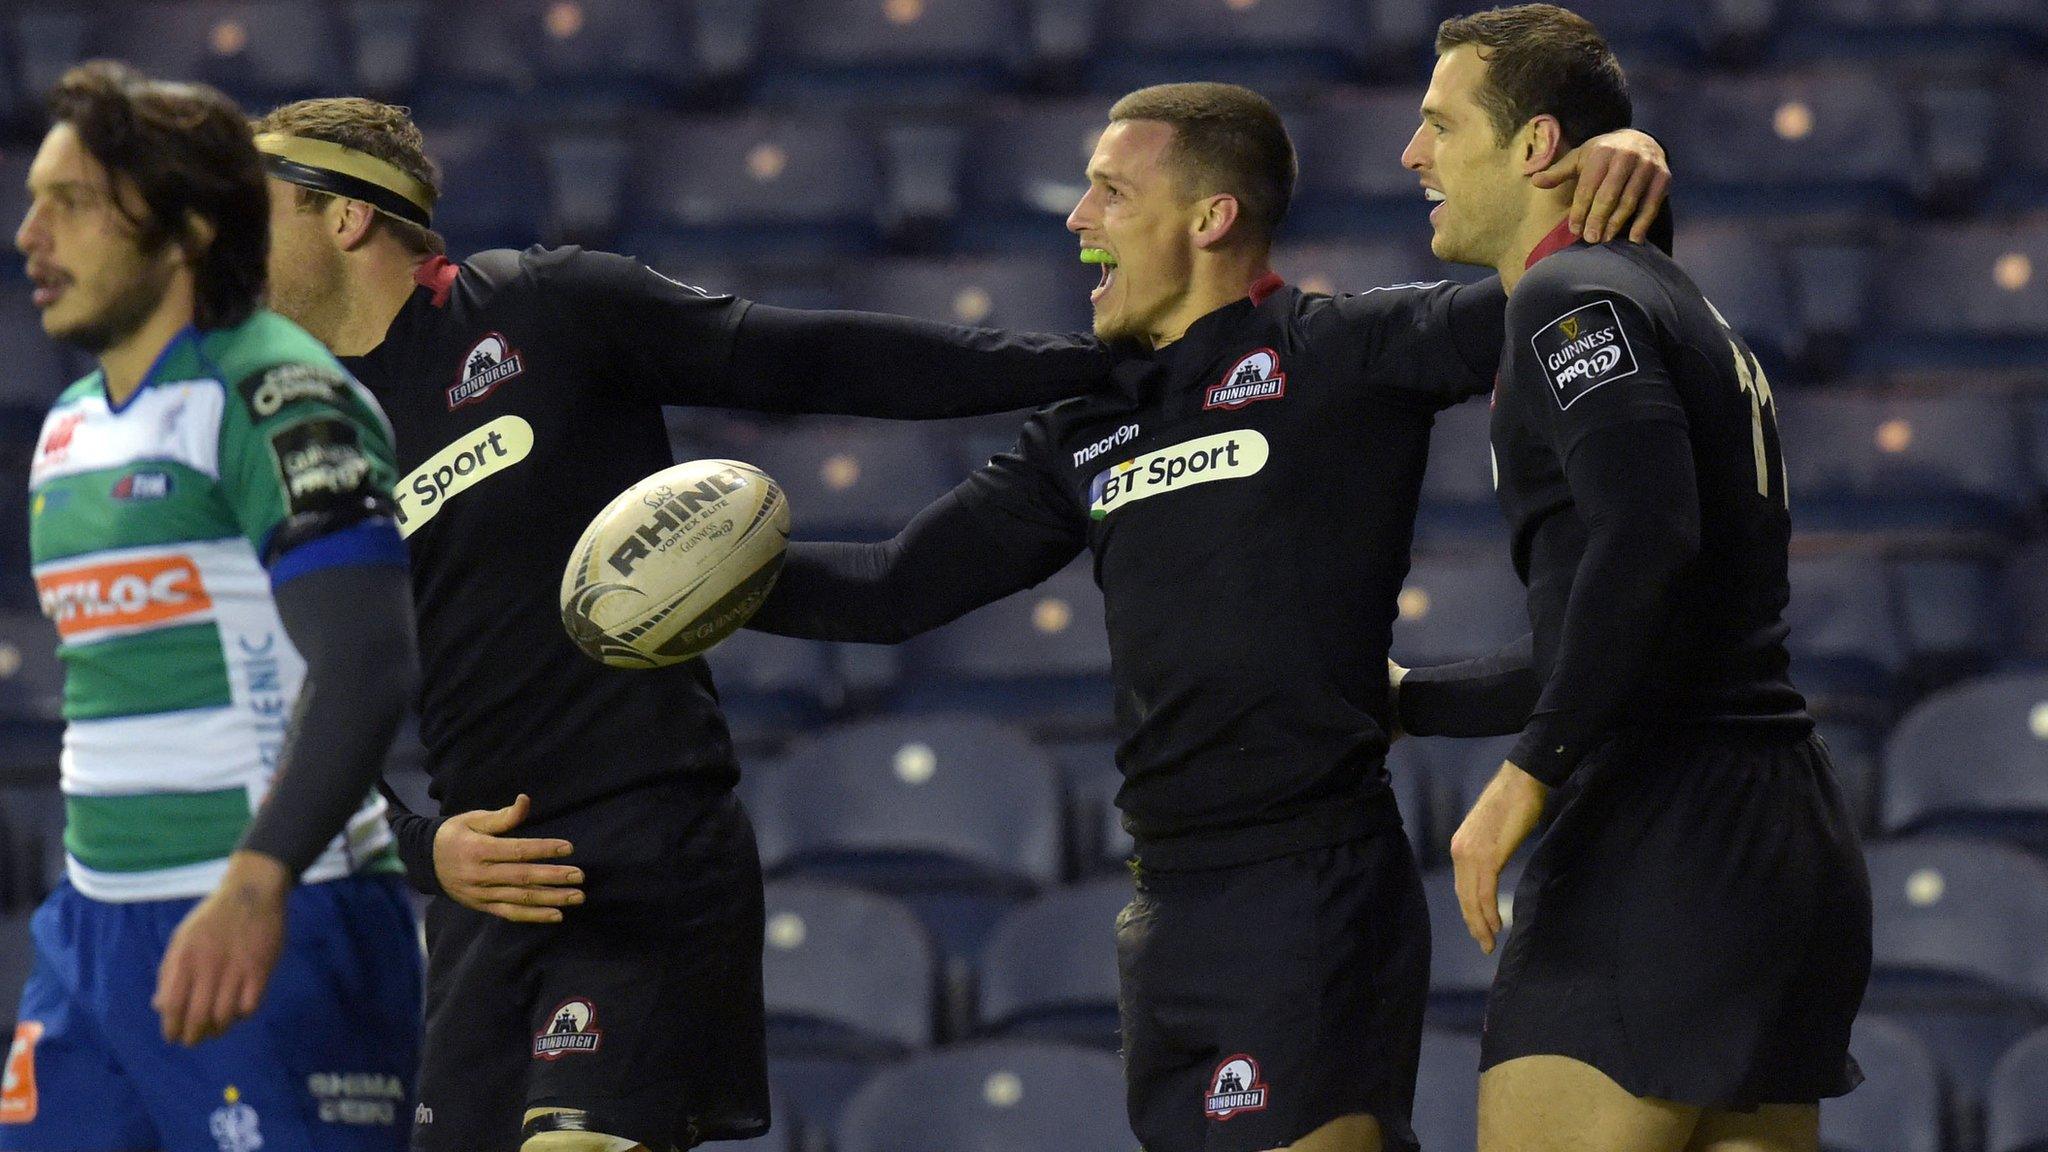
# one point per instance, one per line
(1206, 337)
(1559, 239)
(188, 332)
(437, 275)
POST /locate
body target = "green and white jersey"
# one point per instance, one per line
(151, 526)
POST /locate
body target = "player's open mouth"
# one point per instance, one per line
(48, 286)
(1100, 256)
(1437, 198)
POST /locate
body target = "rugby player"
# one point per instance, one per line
(1692, 934)
(1249, 493)
(212, 534)
(526, 390)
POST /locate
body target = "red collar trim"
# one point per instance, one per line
(1265, 286)
(1559, 239)
(438, 274)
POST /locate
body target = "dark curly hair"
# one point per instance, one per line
(188, 152)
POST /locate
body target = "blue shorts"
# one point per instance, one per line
(325, 1065)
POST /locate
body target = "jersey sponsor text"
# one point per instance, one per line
(1223, 456)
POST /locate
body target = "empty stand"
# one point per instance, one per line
(1446, 1112)
(1021, 293)
(260, 52)
(1458, 605)
(899, 50)
(1900, 1105)
(851, 479)
(494, 189)
(1024, 173)
(756, 185)
(1040, 657)
(1968, 293)
(993, 1096)
(1049, 969)
(1973, 760)
(1873, 461)
(2016, 1110)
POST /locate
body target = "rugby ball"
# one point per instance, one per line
(675, 564)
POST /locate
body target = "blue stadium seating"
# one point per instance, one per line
(1971, 293)
(31, 693)
(850, 981)
(1458, 605)
(1020, 293)
(1049, 969)
(773, 685)
(1853, 748)
(1447, 1092)
(1846, 650)
(1040, 657)
(994, 1096)
(1950, 614)
(1874, 461)
(1277, 47)
(2016, 1109)
(754, 186)
(1460, 975)
(1958, 927)
(14, 164)
(1973, 760)
(1408, 770)
(17, 960)
(1458, 771)
(852, 479)
(260, 52)
(1024, 173)
(1913, 29)
(623, 52)
(32, 831)
(385, 36)
(2020, 178)
(1826, 142)
(1900, 1106)
(2026, 592)
(785, 1131)
(1458, 501)
(958, 815)
(1743, 271)
(48, 39)
(494, 189)
(907, 50)
(586, 168)
(1101, 841)
(546, 60)
(38, 367)
(1671, 32)
(1350, 144)
(1357, 264)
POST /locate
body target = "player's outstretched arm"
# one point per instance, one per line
(1486, 696)
(353, 625)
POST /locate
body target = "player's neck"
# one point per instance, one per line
(1546, 210)
(1214, 284)
(127, 362)
(380, 282)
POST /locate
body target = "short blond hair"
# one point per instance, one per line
(385, 131)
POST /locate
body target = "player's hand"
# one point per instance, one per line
(1622, 178)
(1394, 674)
(220, 958)
(1503, 816)
(479, 867)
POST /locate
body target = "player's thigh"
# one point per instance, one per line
(1356, 1133)
(1771, 1128)
(481, 984)
(1557, 1104)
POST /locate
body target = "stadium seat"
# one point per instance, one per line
(1742, 270)
(14, 162)
(1845, 643)
(586, 178)
(1277, 47)
(1899, 1107)
(1458, 501)
(1408, 771)
(1830, 141)
(2020, 176)
(1853, 748)
(1973, 760)
(849, 979)
(1024, 172)
(38, 367)
(31, 838)
(772, 686)
(49, 39)
(1958, 927)
(1672, 32)
(31, 693)
(785, 1129)
(1352, 182)
(852, 479)
(997, 1096)
(1019, 293)
(17, 960)
(1457, 605)
(1953, 620)
(494, 189)
(958, 815)
(2016, 1109)
(260, 52)
(1458, 771)
(476, 59)
(1969, 293)
(909, 50)
(609, 53)
(1447, 1092)
(386, 37)
(1909, 28)
(1096, 840)
(1460, 975)
(1040, 657)
(1049, 969)
(754, 186)
(1871, 461)
(2026, 590)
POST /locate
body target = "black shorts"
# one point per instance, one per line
(642, 1008)
(1264, 1000)
(1695, 924)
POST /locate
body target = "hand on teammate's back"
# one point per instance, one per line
(1622, 178)
(220, 957)
(480, 867)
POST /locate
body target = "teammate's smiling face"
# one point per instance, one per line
(1139, 222)
(95, 281)
(1464, 164)
(306, 275)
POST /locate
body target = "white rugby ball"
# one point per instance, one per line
(675, 564)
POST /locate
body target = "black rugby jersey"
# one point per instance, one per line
(1636, 443)
(1249, 494)
(525, 390)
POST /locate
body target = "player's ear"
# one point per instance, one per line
(1542, 144)
(1214, 216)
(353, 222)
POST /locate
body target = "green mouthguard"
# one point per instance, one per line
(1096, 256)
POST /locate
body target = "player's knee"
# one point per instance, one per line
(570, 1130)
(1359, 1132)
